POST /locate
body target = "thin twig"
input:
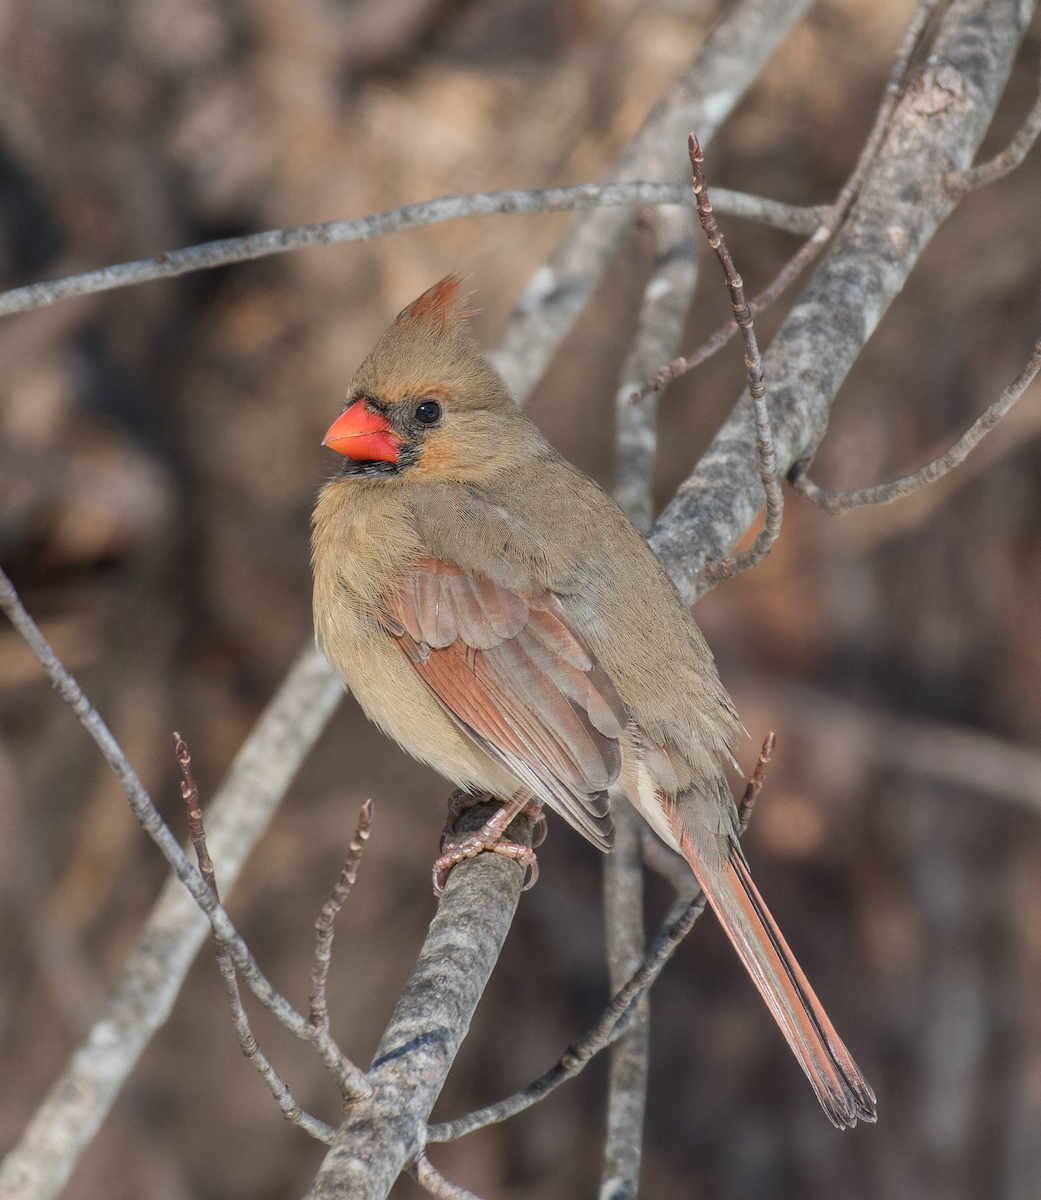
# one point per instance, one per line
(1003, 163)
(291, 1109)
(764, 437)
(663, 313)
(938, 124)
(612, 1024)
(361, 229)
(884, 493)
(349, 1078)
(324, 925)
(431, 1180)
(39, 1165)
(755, 784)
(831, 216)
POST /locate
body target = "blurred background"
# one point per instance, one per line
(159, 458)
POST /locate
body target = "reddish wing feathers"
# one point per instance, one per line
(514, 672)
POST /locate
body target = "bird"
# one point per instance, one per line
(495, 613)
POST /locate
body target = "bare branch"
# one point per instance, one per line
(65, 1123)
(411, 216)
(324, 925)
(792, 218)
(350, 1080)
(291, 1110)
(755, 784)
(885, 493)
(431, 1180)
(940, 119)
(1003, 163)
(666, 302)
(831, 216)
(384, 1132)
(764, 438)
(612, 1024)
(730, 59)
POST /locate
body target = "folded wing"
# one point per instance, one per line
(515, 674)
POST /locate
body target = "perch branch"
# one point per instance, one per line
(612, 1024)
(291, 1109)
(940, 119)
(384, 1132)
(886, 493)
(615, 1019)
(831, 216)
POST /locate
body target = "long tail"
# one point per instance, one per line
(843, 1091)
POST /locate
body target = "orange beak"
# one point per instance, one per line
(363, 436)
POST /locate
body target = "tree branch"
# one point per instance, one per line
(730, 59)
(885, 493)
(764, 437)
(612, 1024)
(362, 229)
(382, 1133)
(348, 1077)
(291, 1109)
(831, 215)
(65, 1123)
(939, 121)
(666, 302)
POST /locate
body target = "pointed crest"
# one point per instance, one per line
(440, 308)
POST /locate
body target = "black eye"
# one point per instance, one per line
(429, 412)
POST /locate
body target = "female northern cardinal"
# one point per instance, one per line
(496, 614)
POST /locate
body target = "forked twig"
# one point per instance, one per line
(348, 1077)
(324, 925)
(612, 1024)
(764, 438)
(291, 1109)
(831, 217)
(884, 493)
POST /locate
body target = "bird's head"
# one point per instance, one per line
(426, 403)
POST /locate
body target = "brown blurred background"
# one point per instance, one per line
(158, 462)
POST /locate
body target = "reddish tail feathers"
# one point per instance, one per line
(843, 1091)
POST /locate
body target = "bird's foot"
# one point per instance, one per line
(489, 838)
